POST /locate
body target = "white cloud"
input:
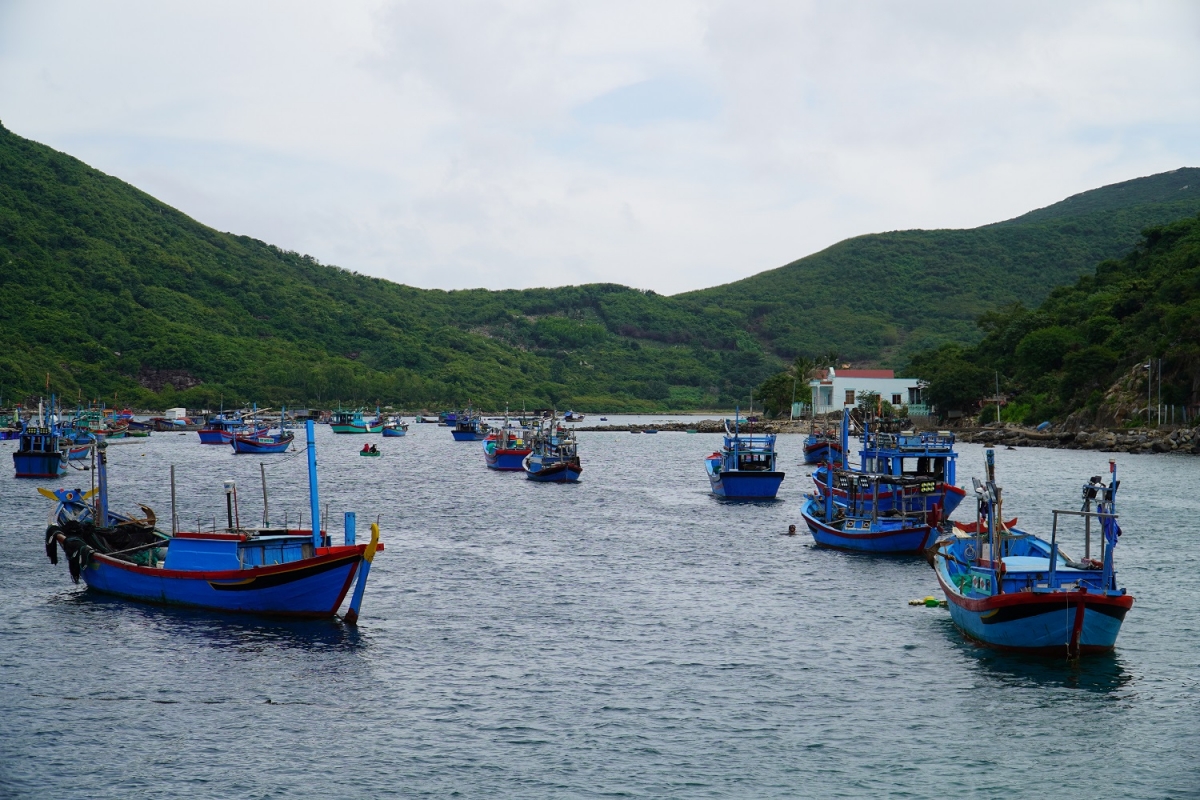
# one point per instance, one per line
(668, 145)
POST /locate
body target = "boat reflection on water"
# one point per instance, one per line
(245, 634)
(1100, 673)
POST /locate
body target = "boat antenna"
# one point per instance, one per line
(313, 500)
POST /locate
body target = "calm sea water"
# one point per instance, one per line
(630, 636)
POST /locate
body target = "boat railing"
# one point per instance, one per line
(911, 442)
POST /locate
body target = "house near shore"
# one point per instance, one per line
(837, 389)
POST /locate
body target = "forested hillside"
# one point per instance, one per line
(112, 292)
(1081, 351)
(883, 297)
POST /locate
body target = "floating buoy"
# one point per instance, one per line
(928, 602)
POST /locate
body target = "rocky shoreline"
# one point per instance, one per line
(1121, 440)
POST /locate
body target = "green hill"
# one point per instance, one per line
(882, 297)
(110, 291)
(1066, 355)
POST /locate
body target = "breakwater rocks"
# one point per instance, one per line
(1152, 440)
(700, 426)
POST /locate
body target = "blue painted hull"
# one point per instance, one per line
(555, 472)
(468, 436)
(881, 538)
(737, 485)
(822, 452)
(510, 460)
(39, 465)
(214, 437)
(314, 587)
(393, 432)
(241, 445)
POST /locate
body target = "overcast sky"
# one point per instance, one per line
(663, 145)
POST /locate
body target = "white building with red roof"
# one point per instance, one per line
(843, 388)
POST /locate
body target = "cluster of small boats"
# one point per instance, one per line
(1004, 586)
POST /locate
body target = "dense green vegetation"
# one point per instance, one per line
(884, 297)
(111, 292)
(1064, 355)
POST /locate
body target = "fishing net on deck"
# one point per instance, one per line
(130, 542)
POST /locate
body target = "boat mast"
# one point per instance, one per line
(313, 500)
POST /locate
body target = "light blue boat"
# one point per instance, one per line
(1009, 589)
(745, 466)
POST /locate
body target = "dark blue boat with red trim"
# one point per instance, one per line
(927, 457)
(263, 443)
(822, 447)
(554, 457)
(745, 466)
(274, 571)
(858, 525)
(1012, 590)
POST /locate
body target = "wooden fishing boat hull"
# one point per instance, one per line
(372, 454)
(261, 444)
(510, 460)
(394, 432)
(79, 452)
(468, 436)
(312, 587)
(1037, 622)
(948, 495)
(557, 472)
(821, 452)
(742, 485)
(39, 465)
(879, 538)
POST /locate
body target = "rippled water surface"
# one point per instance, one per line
(628, 636)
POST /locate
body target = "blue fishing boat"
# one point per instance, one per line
(745, 466)
(554, 457)
(571, 416)
(394, 427)
(274, 571)
(822, 446)
(469, 427)
(448, 418)
(222, 427)
(505, 447)
(39, 454)
(927, 457)
(277, 442)
(859, 525)
(1010, 589)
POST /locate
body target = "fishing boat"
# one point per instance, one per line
(39, 454)
(469, 427)
(554, 455)
(220, 428)
(1010, 589)
(277, 442)
(650, 430)
(927, 457)
(822, 447)
(505, 447)
(448, 418)
(571, 416)
(353, 422)
(370, 451)
(395, 426)
(10, 427)
(859, 524)
(264, 570)
(744, 468)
